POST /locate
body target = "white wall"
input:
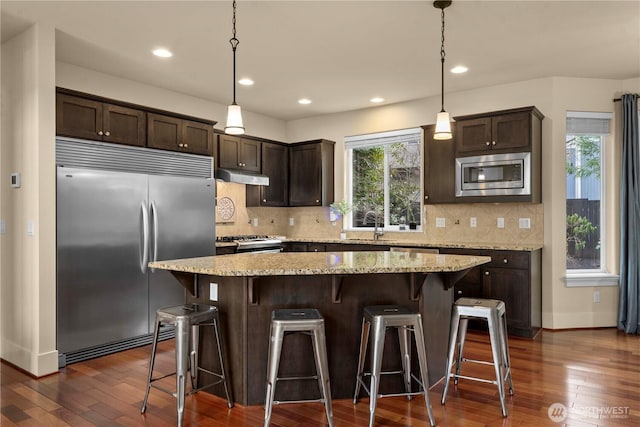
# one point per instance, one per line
(27, 146)
(562, 307)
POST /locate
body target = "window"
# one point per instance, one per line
(586, 226)
(385, 180)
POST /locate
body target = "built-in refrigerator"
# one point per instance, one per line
(118, 208)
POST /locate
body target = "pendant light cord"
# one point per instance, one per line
(234, 44)
(442, 54)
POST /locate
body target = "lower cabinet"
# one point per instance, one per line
(513, 277)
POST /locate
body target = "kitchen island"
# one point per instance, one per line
(247, 287)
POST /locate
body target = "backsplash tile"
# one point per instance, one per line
(313, 222)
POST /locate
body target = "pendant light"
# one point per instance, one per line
(443, 122)
(234, 114)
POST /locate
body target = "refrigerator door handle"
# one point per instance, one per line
(154, 216)
(144, 256)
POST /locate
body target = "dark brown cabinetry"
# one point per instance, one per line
(499, 132)
(176, 134)
(83, 118)
(331, 247)
(275, 165)
(239, 153)
(311, 173)
(513, 277)
(439, 167)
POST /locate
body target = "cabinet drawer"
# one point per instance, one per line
(510, 259)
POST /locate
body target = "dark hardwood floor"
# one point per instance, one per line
(594, 373)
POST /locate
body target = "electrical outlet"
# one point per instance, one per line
(291, 222)
(473, 222)
(596, 296)
(500, 222)
(255, 222)
(31, 228)
(524, 222)
(440, 222)
(3, 226)
(213, 291)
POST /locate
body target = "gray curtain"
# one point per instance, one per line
(629, 307)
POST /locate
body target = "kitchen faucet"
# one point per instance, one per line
(377, 233)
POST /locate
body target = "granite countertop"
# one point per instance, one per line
(405, 243)
(310, 263)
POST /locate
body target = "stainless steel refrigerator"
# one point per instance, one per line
(110, 223)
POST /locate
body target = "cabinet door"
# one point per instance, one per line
(228, 151)
(123, 125)
(473, 135)
(511, 131)
(164, 132)
(439, 168)
(250, 155)
(511, 286)
(197, 138)
(305, 174)
(78, 117)
(275, 164)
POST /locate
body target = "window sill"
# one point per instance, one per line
(577, 280)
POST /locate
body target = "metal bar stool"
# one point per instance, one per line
(187, 320)
(382, 317)
(493, 311)
(306, 320)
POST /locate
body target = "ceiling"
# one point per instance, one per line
(339, 54)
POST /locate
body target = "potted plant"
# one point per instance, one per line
(341, 208)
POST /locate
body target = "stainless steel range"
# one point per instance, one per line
(254, 243)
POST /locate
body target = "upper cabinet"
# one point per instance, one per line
(275, 165)
(176, 134)
(439, 167)
(83, 118)
(498, 132)
(311, 173)
(239, 153)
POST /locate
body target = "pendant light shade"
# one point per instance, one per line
(443, 126)
(234, 120)
(234, 113)
(443, 121)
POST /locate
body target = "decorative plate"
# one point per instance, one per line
(226, 208)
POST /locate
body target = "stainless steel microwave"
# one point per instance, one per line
(494, 175)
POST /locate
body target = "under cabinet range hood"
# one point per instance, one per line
(240, 177)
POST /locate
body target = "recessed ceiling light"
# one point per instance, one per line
(459, 69)
(246, 81)
(304, 101)
(162, 53)
(376, 100)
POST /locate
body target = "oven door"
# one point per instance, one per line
(494, 175)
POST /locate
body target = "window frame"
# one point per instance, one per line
(348, 220)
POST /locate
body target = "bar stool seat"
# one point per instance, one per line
(380, 318)
(187, 320)
(494, 312)
(305, 320)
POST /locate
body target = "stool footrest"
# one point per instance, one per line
(482, 380)
(481, 362)
(310, 377)
(285, 402)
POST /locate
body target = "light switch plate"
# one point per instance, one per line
(255, 222)
(524, 222)
(500, 222)
(473, 222)
(440, 222)
(291, 222)
(3, 226)
(30, 228)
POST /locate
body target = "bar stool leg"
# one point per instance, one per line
(275, 347)
(182, 362)
(322, 362)
(152, 361)
(364, 340)
(422, 360)
(496, 351)
(405, 352)
(505, 350)
(379, 329)
(193, 355)
(453, 339)
(223, 371)
(462, 338)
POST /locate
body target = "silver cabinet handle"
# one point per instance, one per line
(186, 145)
(156, 221)
(100, 133)
(107, 133)
(144, 232)
(493, 143)
(426, 197)
(487, 143)
(264, 200)
(505, 261)
(486, 273)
